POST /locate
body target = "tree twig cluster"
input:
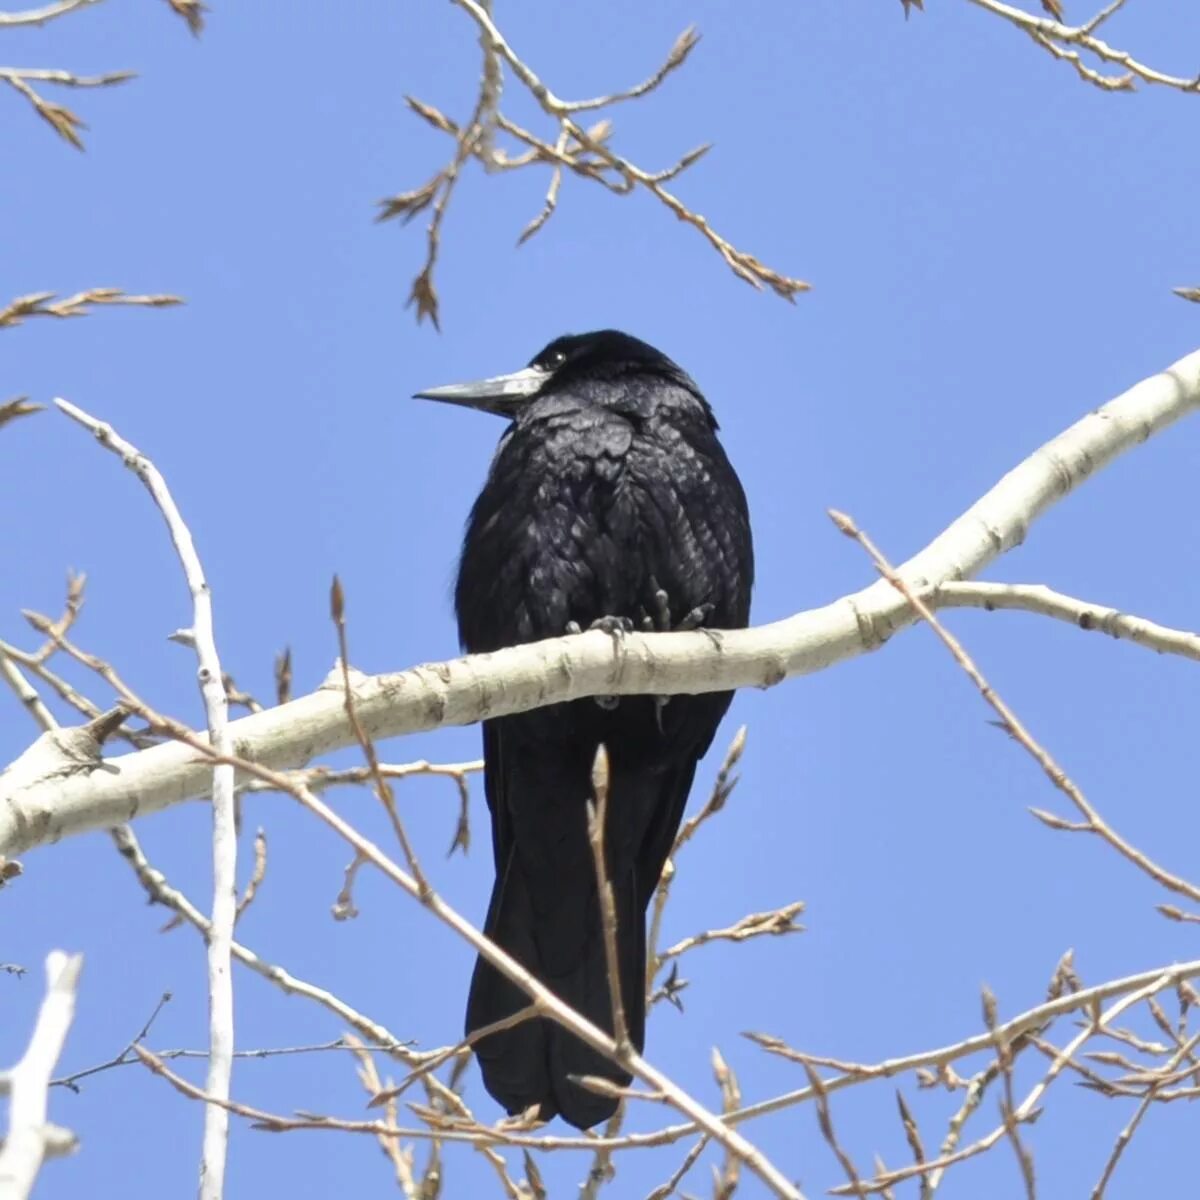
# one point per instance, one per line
(27, 81)
(583, 150)
(1080, 46)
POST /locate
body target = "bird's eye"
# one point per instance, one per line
(554, 359)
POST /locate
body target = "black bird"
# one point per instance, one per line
(609, 497)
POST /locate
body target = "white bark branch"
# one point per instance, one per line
(1036, 598)
(25, 691)
(40, 807)
(39, 16)
(224, 833)
(31, 1138)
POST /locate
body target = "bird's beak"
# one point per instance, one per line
(501, 394)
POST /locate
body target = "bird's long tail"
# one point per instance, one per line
(533, 1062)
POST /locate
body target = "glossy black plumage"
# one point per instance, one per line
(608, 485)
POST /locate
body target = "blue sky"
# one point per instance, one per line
(992, 246)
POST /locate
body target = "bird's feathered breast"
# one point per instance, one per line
(597, 496)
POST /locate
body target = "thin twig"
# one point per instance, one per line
(257, 876)
(825, 1122)
(383, 789)
(59, 117)
(1126, 1135)
(1022, 1112)
(1008, 1106)
(775, 923)
(597, 815)
(192, 12)
(161, 892)
(436, 1058)
(346, 1043)
(1032, 1019)
(664, 1190)
(71, 1082)
(43, 304)
(19, 406)
(722, 788)
(976, 1089)
(1093, 822)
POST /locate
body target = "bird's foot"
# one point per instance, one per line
(660, 622)
(616, 628)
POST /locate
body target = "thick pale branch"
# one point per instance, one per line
(44, 797)
(31, 1138)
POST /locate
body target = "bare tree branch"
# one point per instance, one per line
(10, 410)
(43, 304)
(65, 122)
(1064, 42)
(597, 819)
(192, 12)
(71, 1082)
(1145, 983)
(39, 16)
(1037, 598)
(224, 835)
(1023, 1112)
(31, 1139)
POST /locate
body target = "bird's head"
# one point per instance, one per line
(603, 355)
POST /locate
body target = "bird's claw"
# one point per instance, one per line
(616, 628)
(696, 618)
(612, 625)
(660, 622)
(662, 607)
